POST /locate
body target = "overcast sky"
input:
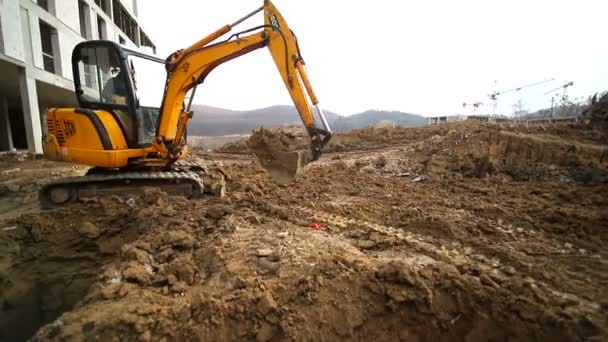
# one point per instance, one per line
(424, 57)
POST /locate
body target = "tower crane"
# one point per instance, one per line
(564, 94)
(494, 95)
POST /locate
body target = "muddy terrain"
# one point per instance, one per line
(459, 232)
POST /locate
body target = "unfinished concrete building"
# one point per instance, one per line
(36, 42)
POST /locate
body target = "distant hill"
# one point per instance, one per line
(374, 117)
(213, 121)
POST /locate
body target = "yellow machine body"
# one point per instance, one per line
(91, 137)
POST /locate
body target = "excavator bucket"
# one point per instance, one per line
(274, 151)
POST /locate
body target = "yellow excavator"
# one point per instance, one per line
(131, 144)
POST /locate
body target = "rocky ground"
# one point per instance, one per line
(455, 232)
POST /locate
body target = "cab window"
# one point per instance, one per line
(102, 78)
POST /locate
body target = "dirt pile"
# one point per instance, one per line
(148, 269)
(474, 150)
(359, 139)
(234, 147)
(464, 232)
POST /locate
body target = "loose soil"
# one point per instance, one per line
(282, 153)
(459, 232)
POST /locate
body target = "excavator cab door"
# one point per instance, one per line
(105, 79)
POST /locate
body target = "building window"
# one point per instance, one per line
(85, 19)
(48, 5)
(145, 41)
(102, 32)
(125, 22)
(50, 48)
(104, 5)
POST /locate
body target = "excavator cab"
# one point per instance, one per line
(106, 78)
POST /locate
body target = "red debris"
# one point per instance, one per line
(316, 226)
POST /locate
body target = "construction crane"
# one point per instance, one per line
(564, 86)
(494, 95)
(564, 94)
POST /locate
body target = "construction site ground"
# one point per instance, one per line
(456, 232)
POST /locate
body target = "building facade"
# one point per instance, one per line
(36, 42)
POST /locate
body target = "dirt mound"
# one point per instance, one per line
(473, 150)
(235, 147)
(359, 139)
(150, 269)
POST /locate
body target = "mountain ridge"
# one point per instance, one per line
(215, 121)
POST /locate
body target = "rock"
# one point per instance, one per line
(130, 252)
(179, 287)
(180, 239)
(218, 211)
(271, 267)
(169, 211)
(88, 229)
(165, 254)
(376, 237)
(366, 244)
(368, 169)
(266, 303)
(13, 187)
(215, 184)
(264, 252)
(283, 235)
(420, 179)
(397, 294)
(510, 270)
(183, 268)
(136, 272)
(240, 283)
(568, 245)
(380, 162)
(265, 332)
(131, 202)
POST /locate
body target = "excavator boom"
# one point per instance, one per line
(189, 67)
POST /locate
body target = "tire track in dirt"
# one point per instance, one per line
(441, 254)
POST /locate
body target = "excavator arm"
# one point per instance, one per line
(188, 68)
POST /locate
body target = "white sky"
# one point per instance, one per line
(424, 57)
